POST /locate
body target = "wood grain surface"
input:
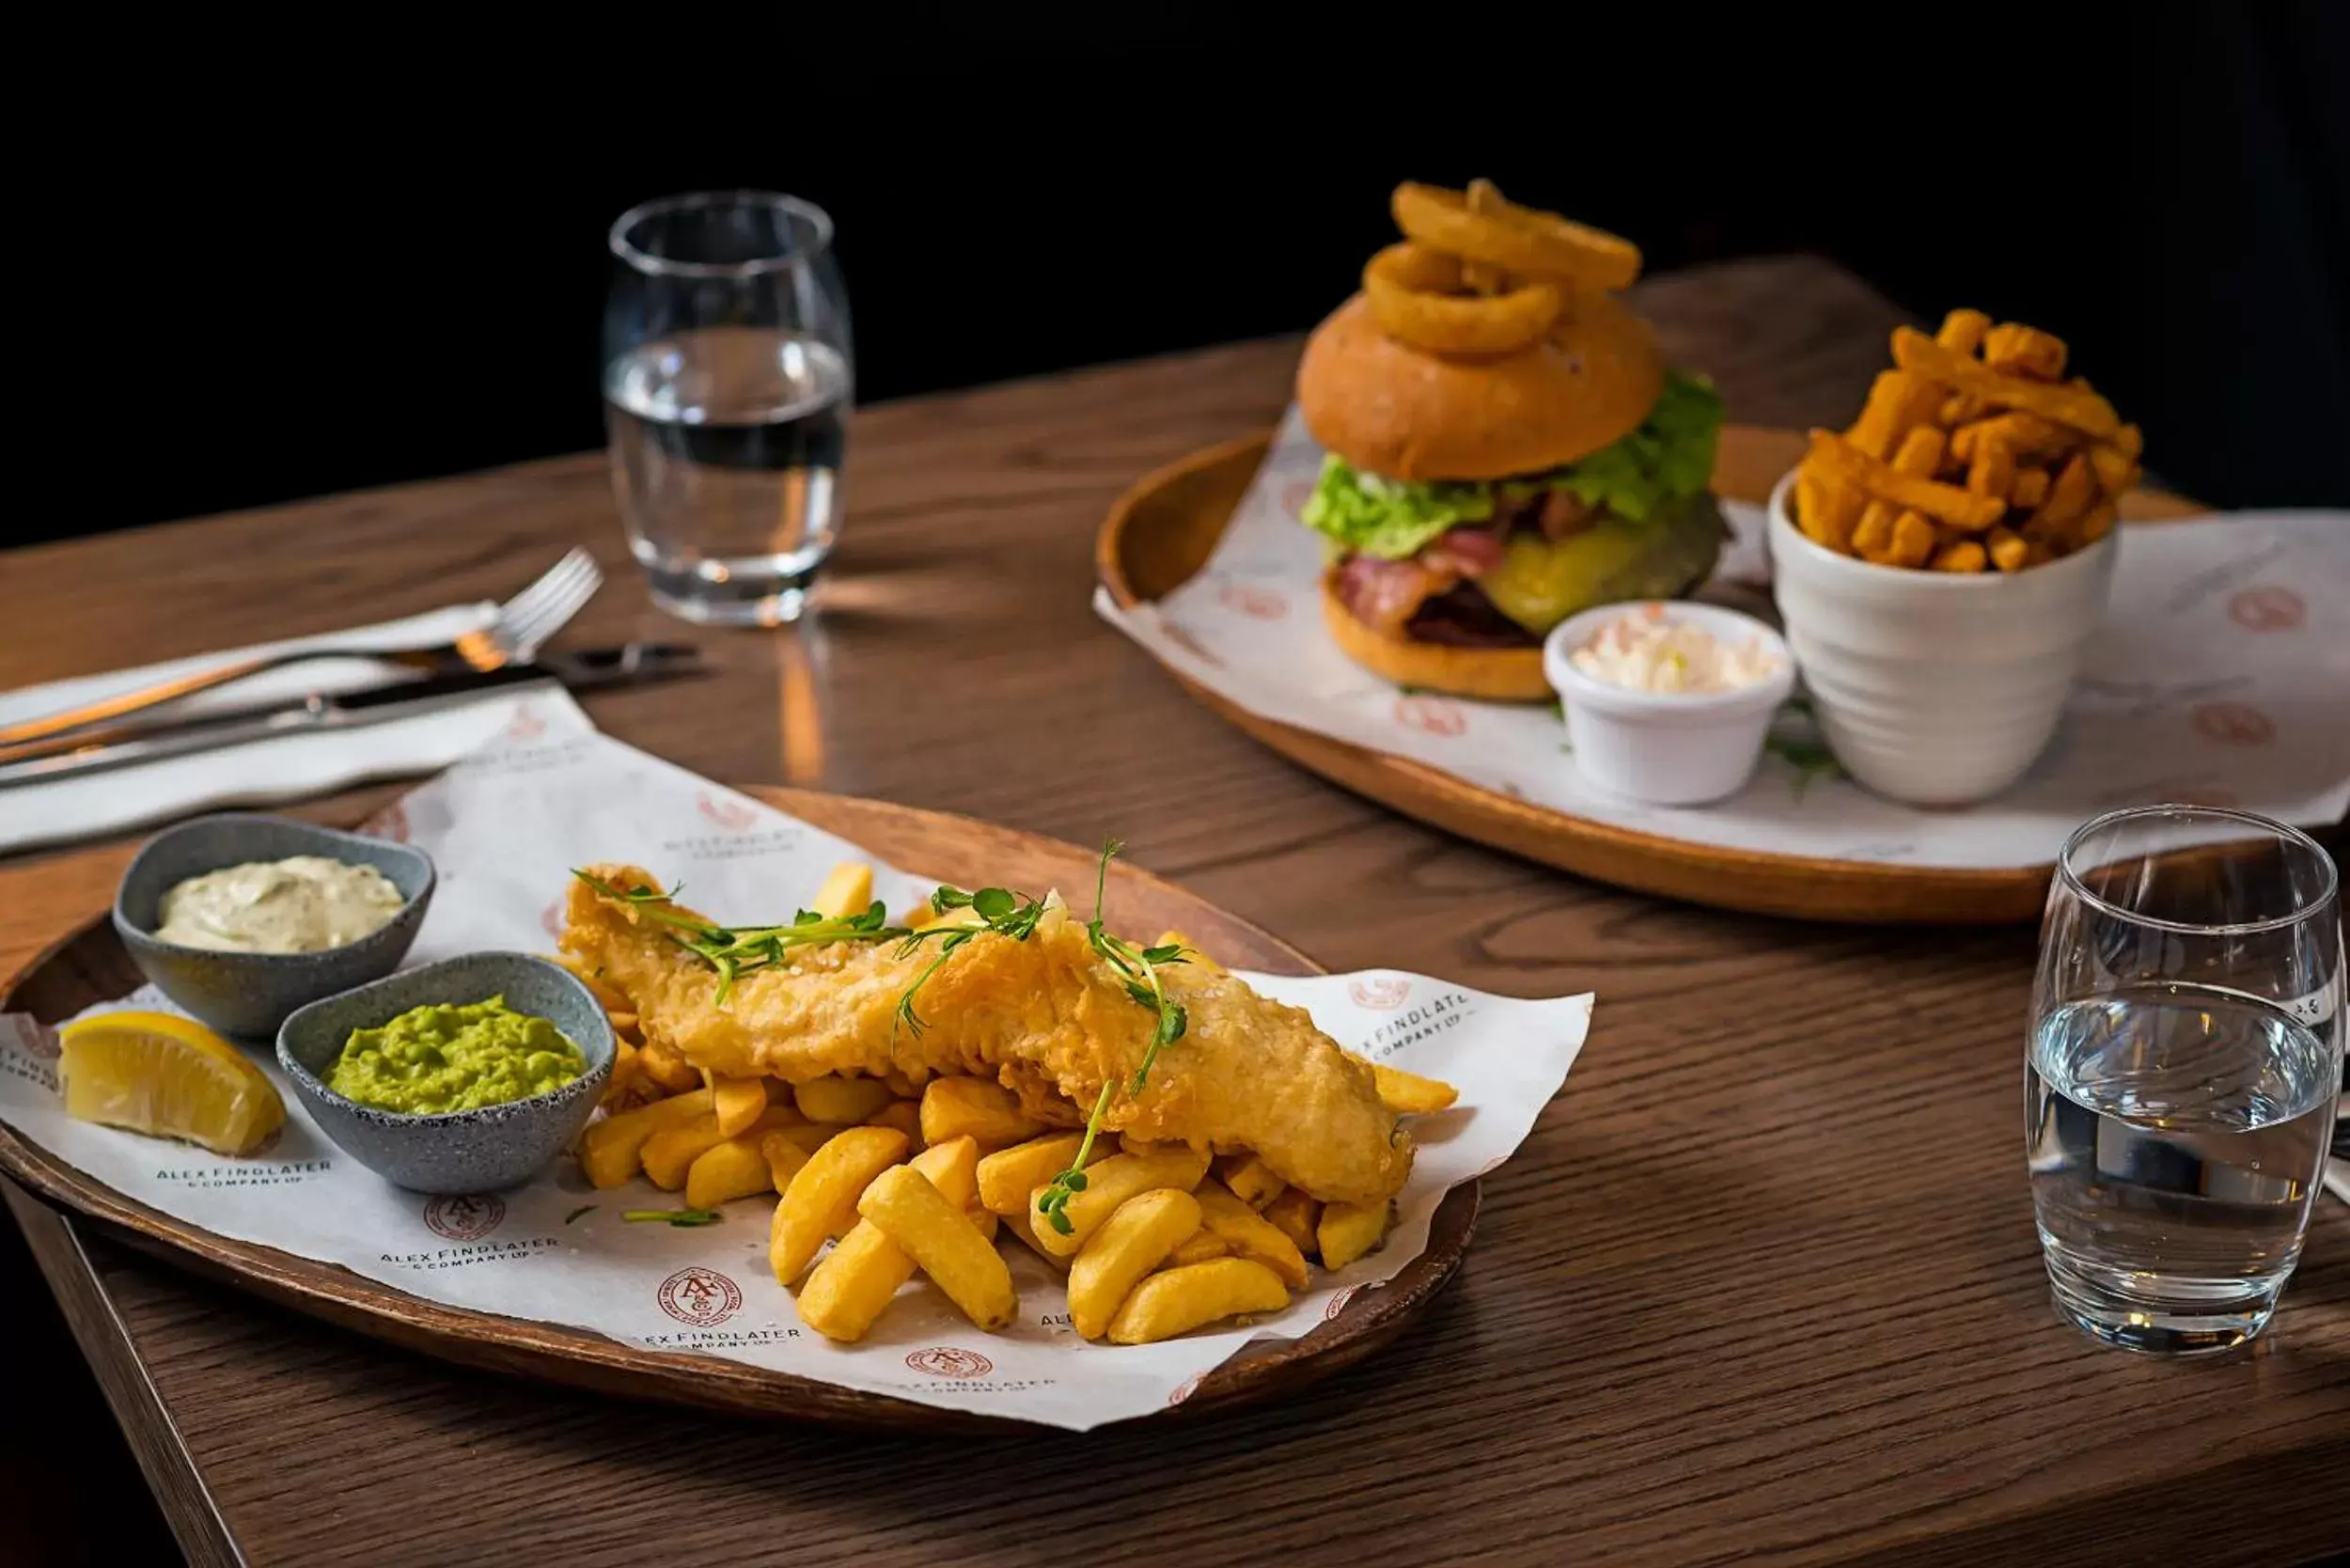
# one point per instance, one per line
(92, 966)
(1163, 530)
(1762, 1286)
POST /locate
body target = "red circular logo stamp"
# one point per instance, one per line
(2234, 724)
(949, 1361)
(1295, 493)
(699, 1298)
(391, 822)
(1255, 603)
(733, 815)
(1431, 715)
(2267, 608)
(525, 725)
(1182, 1392)
(1384, 992)
(465, 1218)
(551, 919)
(1338, 1303)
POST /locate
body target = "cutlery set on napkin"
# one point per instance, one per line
(105, 753)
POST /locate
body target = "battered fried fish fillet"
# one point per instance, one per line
(1046, 1017)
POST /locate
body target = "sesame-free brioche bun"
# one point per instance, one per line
(1393, 410)
(1489, 674)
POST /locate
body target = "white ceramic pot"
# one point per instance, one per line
(1667, 748)
(1936, 688)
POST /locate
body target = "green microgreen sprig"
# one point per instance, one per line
(684, 1220)
(1000, 910)
(1138, 968)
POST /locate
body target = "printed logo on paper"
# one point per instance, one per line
(1295, 494)
(1338, 1303)
(735, 816)
(699, 1298)
(1382, 992)
(1255, 603)
(950, 1361)
(1183, 1390)
(39, 1040)
(464, 1219)
(2268, 608)
(391, 822)
(1439, 716)
(525, 725)
(551, 919)
(2234, 724)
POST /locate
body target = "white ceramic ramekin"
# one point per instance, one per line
(1663, 748)
(1934, 688)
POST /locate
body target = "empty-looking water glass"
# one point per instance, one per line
(728, 376)
(2185, 1059)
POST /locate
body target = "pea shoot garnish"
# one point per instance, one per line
(684, 1220)
(1140, 968)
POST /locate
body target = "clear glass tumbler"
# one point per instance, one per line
(728, 374)
(2185, 1064)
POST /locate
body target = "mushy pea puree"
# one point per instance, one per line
(440, 1057)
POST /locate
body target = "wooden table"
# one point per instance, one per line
(1763, 1284)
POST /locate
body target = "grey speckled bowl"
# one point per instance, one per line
(251, 994)
(460, 1152)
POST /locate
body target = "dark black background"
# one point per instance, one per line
(273, 264)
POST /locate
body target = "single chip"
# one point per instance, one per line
(1826, 507)
(1873, 536)
(1993, 470)
(2022, 350)
(2007, 549)
(1912, 541)
(1898, 403)
(1347, 1230)
(1962, 331)
(2070, 495)
(1964, 556)
(2030, 488)
(1182, 1299)
(1921, 452)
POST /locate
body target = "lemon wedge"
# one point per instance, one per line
(167, 1076)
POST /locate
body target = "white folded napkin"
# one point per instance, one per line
(286, 768)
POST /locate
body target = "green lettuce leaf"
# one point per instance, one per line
(1389, 518)
(1670, 457)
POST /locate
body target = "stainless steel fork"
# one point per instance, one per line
(523, 626)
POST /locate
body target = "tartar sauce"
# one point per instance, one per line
(302, 905)
(1642, 651)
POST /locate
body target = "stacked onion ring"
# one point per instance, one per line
(1476, 276)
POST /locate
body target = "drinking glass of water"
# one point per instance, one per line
(2185, 1059)
(728, 376)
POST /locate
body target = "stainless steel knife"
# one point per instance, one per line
(152, 740)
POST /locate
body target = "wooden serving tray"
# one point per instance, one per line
(90, 965)
(1164, 529)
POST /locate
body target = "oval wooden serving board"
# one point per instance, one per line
(1164, 529)
(91, 966)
